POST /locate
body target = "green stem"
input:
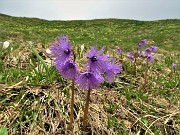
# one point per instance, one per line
(72, 107)
(85, 120)
(40, 58)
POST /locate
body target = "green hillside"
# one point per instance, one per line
(108, 32)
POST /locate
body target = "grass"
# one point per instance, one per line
(35, 99)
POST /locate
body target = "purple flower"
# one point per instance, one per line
(118, 50)
(97, 63)
(142, 43)
(101, 51)
(68, 69)
(112, 70)
(149, 58)
(61, 50)
(148, 51)
(89, 80)
(153, 48)
(131, 56)
(174, 66)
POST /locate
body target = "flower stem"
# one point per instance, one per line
(134, 68)
(145, 76)
(72, 107)
(122, 62)
(85, 120)
(121, 58)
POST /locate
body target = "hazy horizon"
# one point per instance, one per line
(145, 10)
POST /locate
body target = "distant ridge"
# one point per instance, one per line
(4, 15)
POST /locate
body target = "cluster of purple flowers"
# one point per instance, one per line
(61, 52)
(151, 49)
(118, 50)
(131, 56)
(96, 65)
(147, 53)
(142, 43)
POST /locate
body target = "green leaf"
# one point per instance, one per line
(145, 121)
(3, 131)
(39, 57)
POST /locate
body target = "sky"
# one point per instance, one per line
(92, 9)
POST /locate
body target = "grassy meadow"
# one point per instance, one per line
(35, 99)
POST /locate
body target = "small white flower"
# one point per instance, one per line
(48, 51)
(5, 45)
